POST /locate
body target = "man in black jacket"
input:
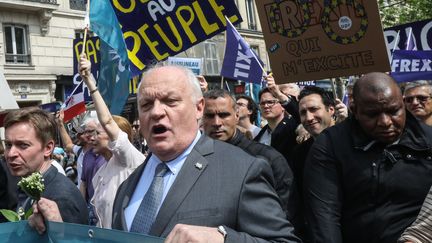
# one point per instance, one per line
(366, 178)
(281, 113)
(220, 122)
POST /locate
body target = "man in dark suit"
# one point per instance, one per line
(206, 197)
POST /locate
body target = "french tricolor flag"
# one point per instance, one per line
(75, 104)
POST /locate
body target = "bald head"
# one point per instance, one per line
(375, 83)
(378, 107)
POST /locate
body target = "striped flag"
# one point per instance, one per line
(75, 104)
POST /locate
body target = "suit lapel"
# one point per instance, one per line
(191, 170)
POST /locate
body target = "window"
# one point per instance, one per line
(256, 50)
(17, 48)
(211, 58)
(77, 4)
(251, 18)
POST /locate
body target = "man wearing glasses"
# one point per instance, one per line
(417, 98)
(280, 129)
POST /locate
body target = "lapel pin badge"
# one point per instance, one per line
(199, 166)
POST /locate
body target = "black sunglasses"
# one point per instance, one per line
(420, 98)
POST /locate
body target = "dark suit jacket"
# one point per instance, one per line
(8, 189)
(231, 189)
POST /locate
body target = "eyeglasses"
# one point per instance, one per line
(89, 131)
(420, 98)
(269, 103)
(241, 104)
(96, 133)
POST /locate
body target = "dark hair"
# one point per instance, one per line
(310, 90)
(219, 93)
(252, 106)
(265, 90)
(43, 122)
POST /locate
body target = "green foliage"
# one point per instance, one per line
(397, 12)
(10, 215)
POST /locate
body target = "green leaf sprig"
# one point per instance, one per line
(33, 186)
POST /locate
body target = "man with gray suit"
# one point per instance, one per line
(192, 188)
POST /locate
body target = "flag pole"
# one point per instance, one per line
(409, 38)
(222, 80)
(86, 27)
(333, 88)
(394, 46)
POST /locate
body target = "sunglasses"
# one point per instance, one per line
(420, 98)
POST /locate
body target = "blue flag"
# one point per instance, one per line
(114, 73)
(411, 65)
(240, 62)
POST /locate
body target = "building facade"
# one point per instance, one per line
(36, 39)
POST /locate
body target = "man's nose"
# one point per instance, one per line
(384, 120)
(158, 110)
(309, 116)
(217, 121)
(11, 151)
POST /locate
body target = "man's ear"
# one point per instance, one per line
(48, 149)
(200, 108)
(331, 109)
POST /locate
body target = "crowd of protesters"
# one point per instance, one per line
(318, 171)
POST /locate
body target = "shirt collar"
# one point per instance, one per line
(175, 165)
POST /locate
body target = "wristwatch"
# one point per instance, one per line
(222, 230)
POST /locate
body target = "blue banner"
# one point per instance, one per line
(240, 62)
(64, 232)
(411, 65)
(421, 34)
(92, 51)
(155, 30)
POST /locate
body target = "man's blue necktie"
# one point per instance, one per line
(146, 213)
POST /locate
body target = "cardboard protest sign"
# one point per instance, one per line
(316, 39)
(154, 29)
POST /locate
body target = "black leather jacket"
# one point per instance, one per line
(357, 190)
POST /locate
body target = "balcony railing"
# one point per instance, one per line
(17, 59)
(44, 1)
